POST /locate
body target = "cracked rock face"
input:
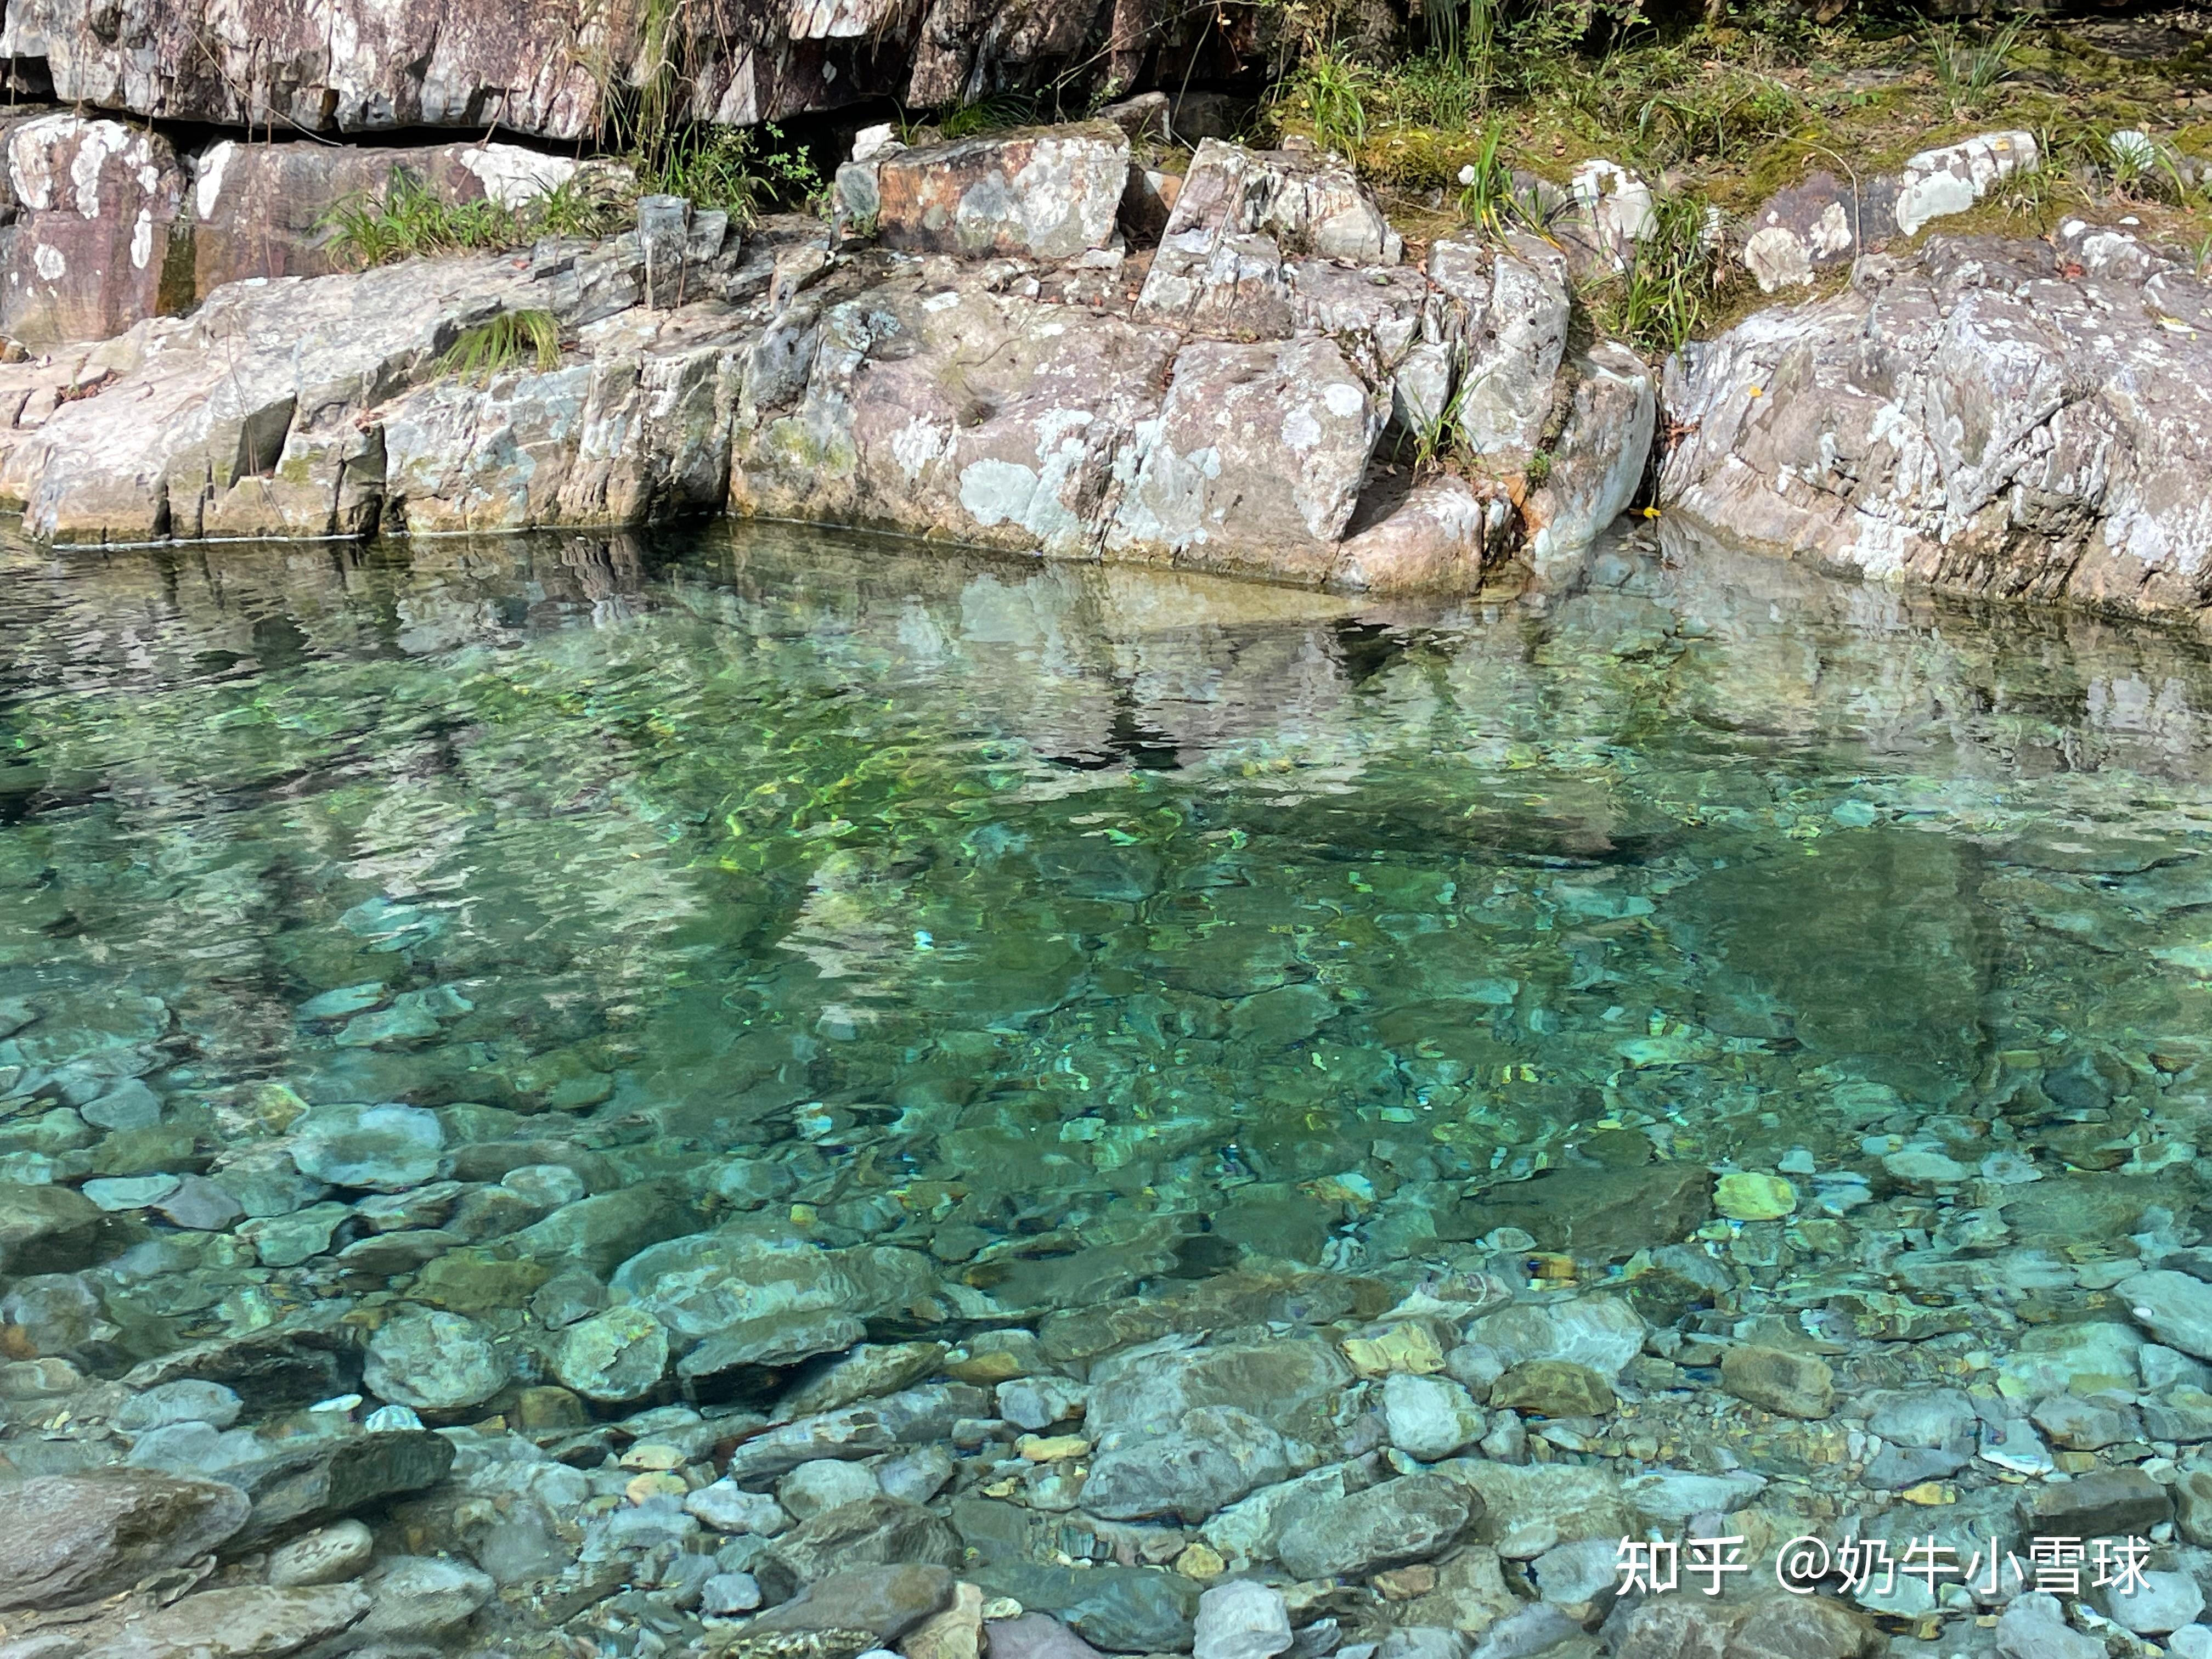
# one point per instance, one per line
(541, 67)
(99, 246)
(1992, 417)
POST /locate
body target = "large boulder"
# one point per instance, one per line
(939, 407)
(100, 244)
(1825, 222)
(1999, 418)
(1254, 464)
(266, 209)
(1050, 192)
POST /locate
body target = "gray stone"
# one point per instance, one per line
(2176, 1308)
(433, 1361)
(182, 1401)
(918, 1475)
(887, 1601)
(79, 1537)
(2034, 1627)
(2161, 1604)
(728, 1594)
(1675, 1495)
(331, 1555)
(825, 1484)
(1407, 1519)
(877, 1531)
(1212, 1458)
(131, 1191)
(663, 229)
(1242, 1619)
(1928, 1417)
(422, 1597)
(1584, 1574)
(910, 1418)
(129, 1105)
(200, 1205)
(386, 1149)
(618, 1355)
(1038, 1402)
(727, 1507)
(1601, 1332)
(1430, 1417)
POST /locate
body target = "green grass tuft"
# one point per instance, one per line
(408, 220)
(492, 347)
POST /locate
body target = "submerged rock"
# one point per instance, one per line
(79, 1537)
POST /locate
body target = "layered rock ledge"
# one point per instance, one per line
(992, 367)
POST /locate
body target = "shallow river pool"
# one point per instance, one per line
(577, 996)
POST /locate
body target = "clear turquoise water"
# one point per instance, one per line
(1096, 929)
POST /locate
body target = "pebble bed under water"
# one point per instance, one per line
(599, 1084)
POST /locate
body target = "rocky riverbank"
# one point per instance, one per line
(1027, 341)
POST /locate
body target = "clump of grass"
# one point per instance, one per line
(570, 209)
(409, 220)
(1490, 199)
(1673, 275)
(992, 114)
(1719, 114)
(1333, 89)
(741, 170)
(491, 348)
(1968, 68)
(1434, 437)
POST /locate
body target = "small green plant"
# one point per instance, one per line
(1969, 67)
(570, 209)
(1658, 303)
(1434, 435)
(992, 114)
(731, 168)
(1538, 470)
(1464, 36)
(1487, 198)
(1334, 89)
(1716, 116)
(408, 220)
(491, 348)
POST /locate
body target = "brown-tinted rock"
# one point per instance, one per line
(886, 1600)
(99, 246)
(1787, 1384)
(1605, 1213)
(1435, 539)
(298, 1489)
(1035, 1636)
(2107, 1503)
(1050, 194)
(77, 1538)
(873, 1532)
(1553, 1388)
(243, 1623)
